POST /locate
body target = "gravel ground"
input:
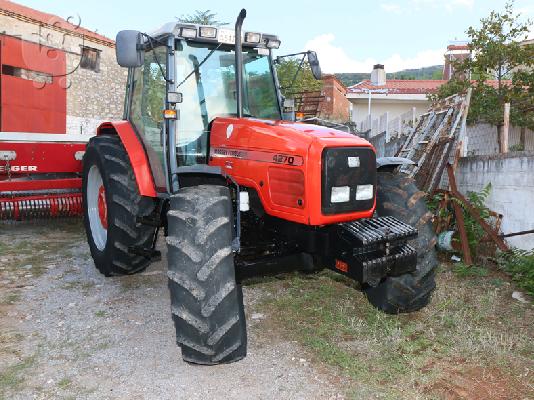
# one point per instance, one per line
(68, 332)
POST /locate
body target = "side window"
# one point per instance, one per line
(146, 109)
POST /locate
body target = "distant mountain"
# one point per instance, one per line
(433, 72)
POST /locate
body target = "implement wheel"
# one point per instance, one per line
(206, 301)
(397, 196)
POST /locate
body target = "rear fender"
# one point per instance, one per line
(136, 153)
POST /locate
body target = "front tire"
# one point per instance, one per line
(397, 196)
(112, 205)
(206, 301)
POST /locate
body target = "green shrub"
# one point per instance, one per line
(520, 265)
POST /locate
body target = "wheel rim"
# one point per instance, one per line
(97, 208)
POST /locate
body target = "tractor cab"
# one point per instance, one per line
(184, 76)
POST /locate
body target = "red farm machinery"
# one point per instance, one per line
(40, 164)
(207, 154)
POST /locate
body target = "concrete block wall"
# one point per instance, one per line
(388, 149)
(512, 194)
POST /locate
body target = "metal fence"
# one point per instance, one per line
(391, 127)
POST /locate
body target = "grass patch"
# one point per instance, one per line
(13, 376)
(463, 270)
(397, 356)
(11, 298)
(100, 313)
(64, 383)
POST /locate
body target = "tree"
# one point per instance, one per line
(437, 74)
(498, 60)
(304, 82)
(202, 18)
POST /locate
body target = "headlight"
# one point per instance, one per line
(364, 192)
(353, 162)
(340, 194)
(273, 43)
(252, 37)
(208, 32)
(188, 33)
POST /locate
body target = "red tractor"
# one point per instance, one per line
(204, 152)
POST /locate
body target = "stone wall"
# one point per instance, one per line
(512, 192)
(92, 96)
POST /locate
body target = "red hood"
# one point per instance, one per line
(279, 136)
(310, 130)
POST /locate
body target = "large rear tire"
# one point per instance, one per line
(206, 301)
(112, 205)
(397, 196)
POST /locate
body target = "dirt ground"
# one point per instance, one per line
(68, 332)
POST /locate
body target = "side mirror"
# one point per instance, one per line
(314, 65)
(127, 49)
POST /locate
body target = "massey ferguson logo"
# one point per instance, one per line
(18, 168)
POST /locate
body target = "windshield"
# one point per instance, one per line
(210, 92)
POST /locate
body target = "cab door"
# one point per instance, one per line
(147, 102)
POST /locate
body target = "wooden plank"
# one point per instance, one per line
(505, 129)
(458, 213)
(474, 212)
(433, 140)
(462, 145)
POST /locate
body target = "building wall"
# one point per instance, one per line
(92, 97)
(512, 189)
(335, 106)
(379, 106)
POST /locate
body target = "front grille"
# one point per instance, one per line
(367, 232)
(336, 172)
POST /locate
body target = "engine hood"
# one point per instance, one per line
(280, 135)
(311, 130)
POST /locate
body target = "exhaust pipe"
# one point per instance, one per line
(239, 62)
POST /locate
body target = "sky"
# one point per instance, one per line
(348, 35)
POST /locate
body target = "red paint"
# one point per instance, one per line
(286, 186)
(342, 266)
(243, 156)
(41, 184)
(42, 157)
(28, 105)
(136, 153)
(302, 141)
(102, 207)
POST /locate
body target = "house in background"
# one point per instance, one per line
(404, 99)
(455, 53)
(378, 95)
(66, 74)
(334, 105)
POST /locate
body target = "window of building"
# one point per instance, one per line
(28, 74)
(90, 59)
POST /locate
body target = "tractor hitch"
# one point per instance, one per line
(369, 250)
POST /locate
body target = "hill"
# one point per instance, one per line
(433, 72)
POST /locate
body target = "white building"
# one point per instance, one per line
(398, 97)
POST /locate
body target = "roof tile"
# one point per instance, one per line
(50, 20)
